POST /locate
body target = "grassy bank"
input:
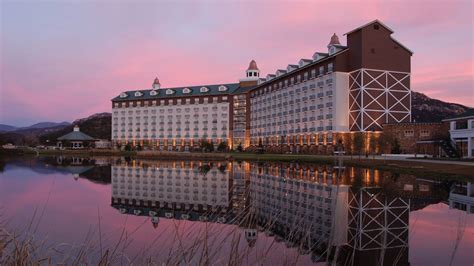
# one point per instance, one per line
(419, 168)
(422, 169)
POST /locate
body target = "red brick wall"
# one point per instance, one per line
(408, 134)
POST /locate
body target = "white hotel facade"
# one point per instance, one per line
(306, 107)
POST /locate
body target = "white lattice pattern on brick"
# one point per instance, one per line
(377, 97)
(377, 223)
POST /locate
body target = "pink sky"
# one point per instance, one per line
(66, 60)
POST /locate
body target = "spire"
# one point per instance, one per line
(156, 83)
(253, 65)
(334, 40)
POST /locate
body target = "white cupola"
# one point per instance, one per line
(334, 45)
(253, 73)
(156, 84)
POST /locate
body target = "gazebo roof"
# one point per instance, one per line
(76, 135)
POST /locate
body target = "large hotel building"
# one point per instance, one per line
(305, 107)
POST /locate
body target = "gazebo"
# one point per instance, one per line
(74, 140)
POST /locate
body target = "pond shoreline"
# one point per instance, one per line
(428, 168)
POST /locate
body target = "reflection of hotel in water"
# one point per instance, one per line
(307, 207)
(172, 185)
(461, 197)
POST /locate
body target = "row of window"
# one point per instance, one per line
(411, 133)
(204, 89)
(169, 102)
(290, 81)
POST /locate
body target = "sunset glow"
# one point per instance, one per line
(66, 60)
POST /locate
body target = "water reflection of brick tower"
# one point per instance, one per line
(378, 228)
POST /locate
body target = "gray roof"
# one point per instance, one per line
(469, 113)
(232, 88)
(76, 135)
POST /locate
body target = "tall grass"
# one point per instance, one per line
(185, 243)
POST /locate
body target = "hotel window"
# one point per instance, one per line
(204, 89)
(409, 133)
(313, 73)
(330, 66)
(424, 133)
(306, 76)
(321, 70)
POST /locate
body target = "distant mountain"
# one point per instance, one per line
(426, 109)
(98, 126)
(6, 128)
(47, 125)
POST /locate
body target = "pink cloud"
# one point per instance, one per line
(70, 61)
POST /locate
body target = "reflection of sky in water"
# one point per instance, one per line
(73, 205)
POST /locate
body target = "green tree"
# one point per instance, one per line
(384, 141)
(396, 149)
(206, 146)
(359, 142)
(222, 147)
(260, 146)
(240, 148)
(373, 146)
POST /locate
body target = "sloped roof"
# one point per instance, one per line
(76, 135)
(178, 92)
(253, 65)
(468, 114)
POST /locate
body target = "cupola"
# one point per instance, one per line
(334, 45)
(156, 84)
(253, 71)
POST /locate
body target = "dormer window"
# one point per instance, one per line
(123, 95)
(204, 89)
(186, 90)
(153, 93)
(169, 91)
(138, 94)
(222, 88)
